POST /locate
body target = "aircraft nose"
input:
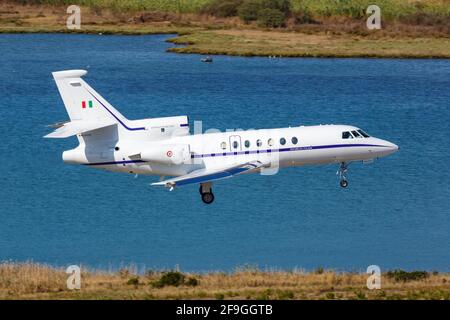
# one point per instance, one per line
(392, 147)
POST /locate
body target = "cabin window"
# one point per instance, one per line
(270, 142)
(247, 144)
(356, 134)
(259, 143)
(282, 141)
(364, 134)
(294, 140)
(347, 135)
(223, 145)
(235, 144)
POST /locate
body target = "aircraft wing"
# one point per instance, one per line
(75, 127)
(206, 175)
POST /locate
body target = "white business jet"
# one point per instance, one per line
(164, 146)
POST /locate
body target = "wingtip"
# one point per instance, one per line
(69, 74)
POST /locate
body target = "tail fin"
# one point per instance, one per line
(81, 101)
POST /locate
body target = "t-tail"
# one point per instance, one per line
(87, 109)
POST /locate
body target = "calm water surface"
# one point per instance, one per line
(395, 212)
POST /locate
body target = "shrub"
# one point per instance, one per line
(285, 294)
(401, 275)
(303, 16)
(248, 10)
(271, 18)
(219, 296)
(330, 295)
(222, 8)
(282, 5)
(133, 281)
(171, 278)
(360, 295)
(193, 282)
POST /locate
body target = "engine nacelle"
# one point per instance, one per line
(168, 154)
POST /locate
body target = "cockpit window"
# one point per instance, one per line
(356, 134)
(347, 135)
(364, 134)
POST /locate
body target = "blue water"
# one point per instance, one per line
(395, 212)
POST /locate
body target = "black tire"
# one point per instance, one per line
(344, 183)
(207, 197)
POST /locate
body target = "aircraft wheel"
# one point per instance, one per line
(344, 183)
(208, 197)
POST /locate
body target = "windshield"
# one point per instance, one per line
(364, 134)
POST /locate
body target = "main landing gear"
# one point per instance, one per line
(206, 192)
(342, 172)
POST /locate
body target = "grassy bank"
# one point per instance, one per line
(33, 281)
(260, 43)
(330, 29)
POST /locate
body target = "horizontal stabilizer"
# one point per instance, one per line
(75, 127)
(206, 175)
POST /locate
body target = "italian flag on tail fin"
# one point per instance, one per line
(83, 104)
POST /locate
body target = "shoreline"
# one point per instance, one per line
(185, 46)
(36, 281)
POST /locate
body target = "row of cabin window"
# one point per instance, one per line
(223, 145)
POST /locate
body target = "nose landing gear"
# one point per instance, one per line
(206, 192)
(342, 172)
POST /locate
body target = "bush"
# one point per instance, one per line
(133, 281)
(303, 16)
(171, 278)
(401, 275)
(282, 5)
(248, 10)
(222, 8)
(193, 282)
(271, 18)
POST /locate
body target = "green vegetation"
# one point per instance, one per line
(175, 279)
(133, 281)
(268, 13)
(401, 275)
(177, 6)
(391, 9)
(171, 278)
(270, 18)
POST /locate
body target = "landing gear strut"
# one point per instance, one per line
(342, 172)
(206, 192)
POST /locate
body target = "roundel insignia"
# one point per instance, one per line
(169, 153)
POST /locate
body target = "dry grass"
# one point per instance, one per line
(34, 281)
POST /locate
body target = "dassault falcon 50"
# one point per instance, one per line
(165, 147)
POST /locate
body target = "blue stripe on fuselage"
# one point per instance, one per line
(224, 154)
(233, 153)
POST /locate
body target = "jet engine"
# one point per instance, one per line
(168, 154)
